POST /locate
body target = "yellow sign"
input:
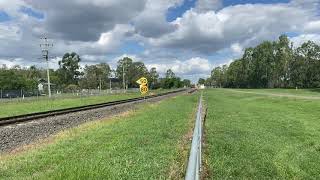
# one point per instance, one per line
(143, 89)
(143, 85)
(142, 81)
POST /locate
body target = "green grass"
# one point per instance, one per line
(298, 92)
(145, 144)
(252, 136)
(18, 107)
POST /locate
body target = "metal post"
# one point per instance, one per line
(100, 85)
(48, 76)
(1, 93)
(45, 55)
(110, 84)
(123, 80)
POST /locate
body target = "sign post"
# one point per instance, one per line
(143, 85)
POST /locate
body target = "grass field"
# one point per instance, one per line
(149, 143)
(291, 92)
(11, 108)
(257, 136)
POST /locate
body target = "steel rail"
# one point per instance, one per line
(38, 115)
(194, 164)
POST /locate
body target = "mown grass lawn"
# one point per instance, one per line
(18, 107)
(149, 143)
(299, 92)
(252, 136)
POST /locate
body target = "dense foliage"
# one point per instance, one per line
(272, 65)
(71, 77)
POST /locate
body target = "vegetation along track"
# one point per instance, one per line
(32, 116)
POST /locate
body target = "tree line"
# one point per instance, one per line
(70, 76)
(271, 64)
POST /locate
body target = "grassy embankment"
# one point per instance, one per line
(149, 143)
(15, 107)
(256, 136)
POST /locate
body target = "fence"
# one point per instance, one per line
(194, 164)
(18, 93)
(25, 95)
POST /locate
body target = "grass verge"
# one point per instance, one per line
(144, 144)
(308, 93)
(18, 107)
(252, 136)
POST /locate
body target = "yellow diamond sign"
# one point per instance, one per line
(142, 81)
(143, 85)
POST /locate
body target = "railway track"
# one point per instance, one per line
(32, 116)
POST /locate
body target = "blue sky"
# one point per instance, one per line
(178, 11)
(236, 2)
(4, 16)
(188, 36)
(32, 13)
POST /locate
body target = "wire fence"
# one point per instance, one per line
(194, 164)
(25, 95)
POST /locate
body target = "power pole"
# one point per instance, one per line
(100, 84)
(45, 55)
(123, 80)
(110, 77)
(110, 84)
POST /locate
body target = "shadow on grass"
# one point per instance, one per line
(314, 90)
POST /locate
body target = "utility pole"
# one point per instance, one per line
(100, 84)
(110, 84)
(123, 80)
(110, 78)
(45, 55)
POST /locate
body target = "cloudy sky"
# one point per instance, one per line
(188, 36)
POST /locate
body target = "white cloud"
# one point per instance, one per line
(299, 40)
(9, 63)
(152, 21)
(236, 48)
(85, 20)
(208, 5)
(312, 27)
(9, 32)
(249, 24)
(191, 66)
(12, 7)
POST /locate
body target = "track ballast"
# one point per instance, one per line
(32, 116)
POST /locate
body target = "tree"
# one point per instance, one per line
(170, 74)
(94, 75)
(122, 70)
(33, 73)
(153, 77)
(272, 64)
(131, 71)
(201, 81)
(306, 66)
(218, 76)
(171, 80)
(69, 69)
(186, 83)
(137, 70)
